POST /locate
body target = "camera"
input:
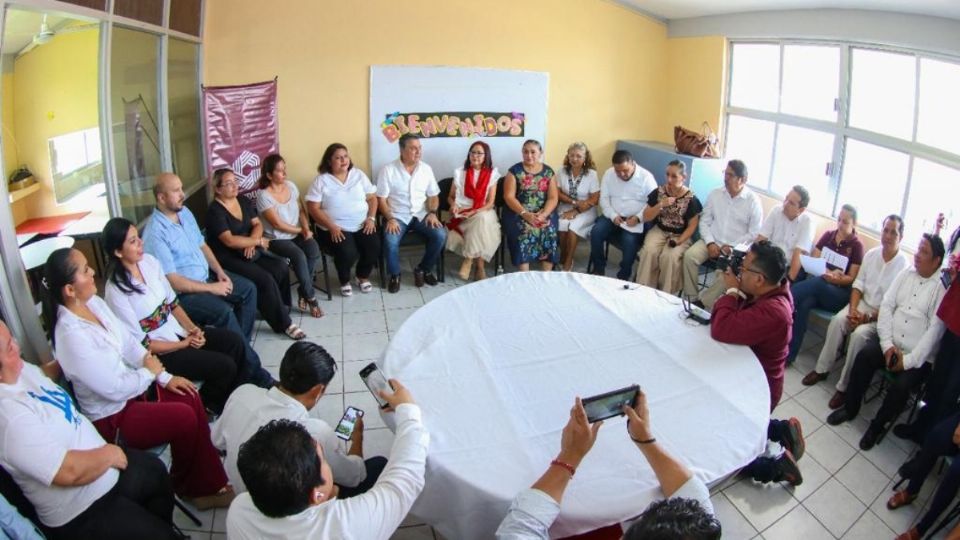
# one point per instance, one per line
(733, 261)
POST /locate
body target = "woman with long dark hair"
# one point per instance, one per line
(235, 235)
(474, 228)
(343, 203)
(139, 294)
(285, 224)
(530, 193)
(123, 388)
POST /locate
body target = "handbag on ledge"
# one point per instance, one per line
(691, 143)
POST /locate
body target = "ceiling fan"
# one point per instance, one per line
(45, 34)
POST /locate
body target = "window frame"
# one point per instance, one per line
(840, 129)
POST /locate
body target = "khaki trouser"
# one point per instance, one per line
(836, 331)
(661, 266)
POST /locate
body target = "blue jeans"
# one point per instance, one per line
(813, 293)
(605, 231)
(235, 312)
(939, 442)
(436, 239)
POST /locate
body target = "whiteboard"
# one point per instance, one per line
(450, 99)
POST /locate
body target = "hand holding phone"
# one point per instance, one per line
(351, 417)
(375, 381)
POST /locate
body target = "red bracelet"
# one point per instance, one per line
(566, 466)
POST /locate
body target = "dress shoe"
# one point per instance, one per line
(900, 498)
(870, 438)
(838, 417)
(394, 284)
(787, 469)
(429, 279)
(837, 400)
(418, 277)
(813, 378)
(912, 534)
(908, 432)
(793, 439)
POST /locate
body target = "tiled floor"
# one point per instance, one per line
(844, 491)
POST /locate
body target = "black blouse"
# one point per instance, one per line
(219, 219)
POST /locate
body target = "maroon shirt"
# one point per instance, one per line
(765, 324)
(851, 247)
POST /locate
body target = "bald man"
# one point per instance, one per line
(208, 293)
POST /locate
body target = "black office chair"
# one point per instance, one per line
(413, 238)
(499, 205)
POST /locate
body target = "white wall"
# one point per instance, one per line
(920, 32)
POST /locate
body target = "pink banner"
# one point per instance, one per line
(240, 128)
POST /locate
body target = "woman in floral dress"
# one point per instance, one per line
(530, 223)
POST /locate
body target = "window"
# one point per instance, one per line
(870, 126)
(75, 162)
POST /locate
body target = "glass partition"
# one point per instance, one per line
(183, 93)
(134, 87)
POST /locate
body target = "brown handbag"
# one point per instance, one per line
(691, 143)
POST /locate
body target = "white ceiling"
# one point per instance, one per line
(22, 25)
(681, 9)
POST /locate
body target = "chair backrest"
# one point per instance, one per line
(445, 186)
(498, 201)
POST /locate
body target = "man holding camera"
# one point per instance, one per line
(909, 332)
(731, 216)
(757, 310)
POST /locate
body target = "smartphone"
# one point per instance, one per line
(610, 404)
(344, 429)
(375, 381)
(945, 278)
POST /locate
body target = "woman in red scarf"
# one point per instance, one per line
(474, 229)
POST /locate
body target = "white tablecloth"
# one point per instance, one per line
(496, 365)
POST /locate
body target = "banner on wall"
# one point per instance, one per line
(240, 128)
(451, 107)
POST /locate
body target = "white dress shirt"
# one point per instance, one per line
(407, 193)
(533, 511)
(134, 307)
(459, 180)
(345, 203)
(876, 275)
(373, 515)
(626, 198)
(908, 317)
(730, 220)
(103, 361)
(251, 407)
(788, 234)
(38, 426)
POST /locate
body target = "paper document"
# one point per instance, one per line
(814, 266)
(835, 259)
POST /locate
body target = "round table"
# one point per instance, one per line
(495, 367)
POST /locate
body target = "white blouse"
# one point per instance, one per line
(288, 212)
(103, 361)
(589, 184)
(139, 312)
(460, 179)
(345, 203)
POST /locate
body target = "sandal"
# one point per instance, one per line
(315, 310)
(346, 290)
(900, 498)
(365, 287)
(302, 305)
(294, 332)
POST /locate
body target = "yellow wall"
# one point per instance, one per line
(54, 92)
(606, 63)
(695, 83)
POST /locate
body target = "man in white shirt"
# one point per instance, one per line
(292, 492)
(686, 511)
(80, 486)
(909, 332)
(623, 198)
(408, 198)
(305, 373)
(790, 228)
(731, 216)
(858, 319)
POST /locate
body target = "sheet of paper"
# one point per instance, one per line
(835, 259)
(813, 266)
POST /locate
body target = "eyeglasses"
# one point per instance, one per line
(478, 153)
(228, 184)
(747, 269)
